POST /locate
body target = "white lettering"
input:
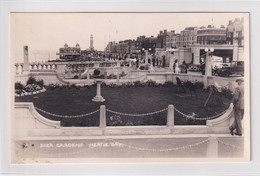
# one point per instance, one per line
(46, 145)
(69, 145)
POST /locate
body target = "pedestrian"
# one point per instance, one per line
(177, 67)
(238, 106)
(185, 67)
(174, 66)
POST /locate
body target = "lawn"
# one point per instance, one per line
(132, 100)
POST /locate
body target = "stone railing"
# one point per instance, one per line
(28, 122)
(39, 66)
(35, 66)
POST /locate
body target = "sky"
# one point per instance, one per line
(45, 33)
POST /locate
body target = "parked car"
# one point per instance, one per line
(194, 68)
(235, 68)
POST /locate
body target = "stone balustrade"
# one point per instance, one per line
(19, 67)
(72, 65)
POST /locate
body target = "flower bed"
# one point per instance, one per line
(32, 87)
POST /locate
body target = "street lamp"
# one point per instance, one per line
(208, 60)
(171, 59)
(208, 64)
(146, 51)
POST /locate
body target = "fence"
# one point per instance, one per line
(209, 140)
(28, 120)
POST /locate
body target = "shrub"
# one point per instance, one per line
(168, 84)
(187, 84)
(129, 84)
(123, 85)
(75, 77)
(151, 83)
(141, 67)
(87, 86)
(112, 76)
(199, 85)
(138, 84)
(115, 120)
(73, 86)
(53, 86)
(31, 87)
(40, 83)
(18, 86)
(94, 85)
(96, 72)
(122, 74)
(112, 85)
(31, 80)
(103, 84)
(17, 91)
(226, 93)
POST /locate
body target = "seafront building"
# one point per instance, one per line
(188, 46)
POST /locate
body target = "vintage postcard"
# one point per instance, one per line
(129, 87)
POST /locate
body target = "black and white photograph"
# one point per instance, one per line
(129, 87)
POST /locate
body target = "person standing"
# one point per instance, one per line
(238, 106)
(176, 67)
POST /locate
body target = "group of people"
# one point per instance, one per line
(176, 68)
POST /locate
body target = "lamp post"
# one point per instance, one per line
(146, 51)
(171, 59)
(208, 65)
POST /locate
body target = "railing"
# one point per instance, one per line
(54, 65)
(170, 115)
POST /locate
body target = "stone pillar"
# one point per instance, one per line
(98, 97)
(205, 81)
(88, 78)
(102, 117)
(20, 69)
(26, 59)
(80, 76)
(117, 78)
(146, 57)
(208, 71)
(69, 72)
(171, 62)
(212, 147)
(17, 69)
(196, 56)
(170, 116)
(118, 64)
(235, 52)
(96, 65)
